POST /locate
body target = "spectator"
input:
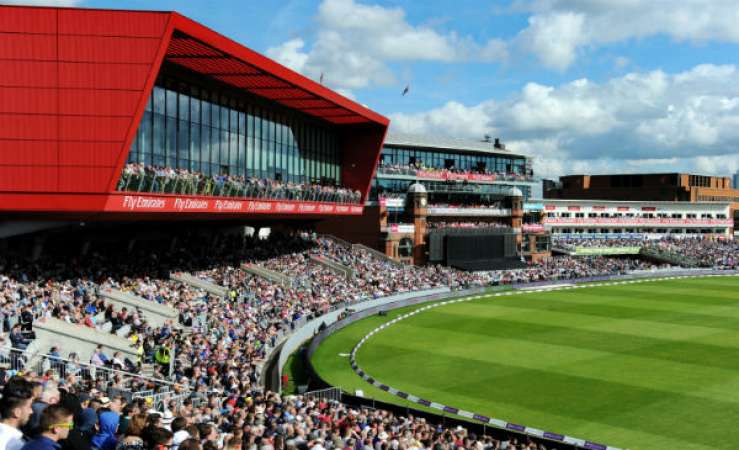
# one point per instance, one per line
(161, 439)
(99, 358)
(80, 438)
(105, 439)
(180, 434)
(15, 409)
(132, 438)
(56, 421)
(49, 396)
(18, 339)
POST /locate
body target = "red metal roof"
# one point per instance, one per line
(204, 51)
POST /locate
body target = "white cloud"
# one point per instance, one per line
(559, 29)
(554, 38)
(290, 54)
(453, 119)
(638, 122)
(356, 41)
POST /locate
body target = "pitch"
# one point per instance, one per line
(649, 366)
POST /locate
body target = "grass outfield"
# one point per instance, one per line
(646, 366)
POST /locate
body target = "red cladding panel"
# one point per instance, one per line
(28, 20)
(98, 102)
(106, 23)
(102, 76)
(21, 100)
(27, 73)
(23, 126)
(107, 49)
(28, 178)
(28, 46)
(70, 98)
(17, 152)
(83, 179)
(88, 153)
(92, 128)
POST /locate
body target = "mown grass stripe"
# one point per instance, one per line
(664, 354)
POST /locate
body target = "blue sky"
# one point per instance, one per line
(581, 85)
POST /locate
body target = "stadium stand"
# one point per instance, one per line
(166, 180)
(187, 353)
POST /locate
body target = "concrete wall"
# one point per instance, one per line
(154, 313)
(80, 339)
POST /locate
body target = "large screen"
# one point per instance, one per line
(468, 248)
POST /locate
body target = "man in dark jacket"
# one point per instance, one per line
(84, 429)
(56, 421)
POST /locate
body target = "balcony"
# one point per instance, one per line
(461, 211)
(638, 222)
(447, 175)
(165, 190)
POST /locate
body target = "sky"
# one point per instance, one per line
(582, 86)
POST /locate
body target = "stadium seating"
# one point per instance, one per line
(204, 335)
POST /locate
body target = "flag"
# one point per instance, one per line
(321, 80)
(406, 90)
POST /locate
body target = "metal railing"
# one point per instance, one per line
(669, 257)
(332, 393)
(378, 254)
(17, 360)
(220, 186)
(421, 173)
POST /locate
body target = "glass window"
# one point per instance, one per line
(215, 116)
(195, 147)
(171, 103)
(159, 138)
(145, 139)
(189, 128)
(159, 103)
(171, 142)
(205, 112)
(133, 152)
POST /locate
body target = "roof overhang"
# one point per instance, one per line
(211, 54)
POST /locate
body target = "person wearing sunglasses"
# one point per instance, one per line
(56, 421)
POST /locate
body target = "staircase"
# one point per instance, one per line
(333, 266)
(377, 254)
(269, 275)
(199, 283)
(154, 313)
(78, 338)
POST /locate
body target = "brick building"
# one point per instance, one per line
(670, 187)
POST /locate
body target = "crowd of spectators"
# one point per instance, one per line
(419, 166)
(216, 347)
(491, 205)
(436, 225)
(142, 178)
(697, 251)
(572, 243)
(559, 268)
(703, 252)
(37, 414)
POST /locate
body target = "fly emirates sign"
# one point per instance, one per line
(170, 204)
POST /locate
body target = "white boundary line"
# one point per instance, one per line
(491, 421)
